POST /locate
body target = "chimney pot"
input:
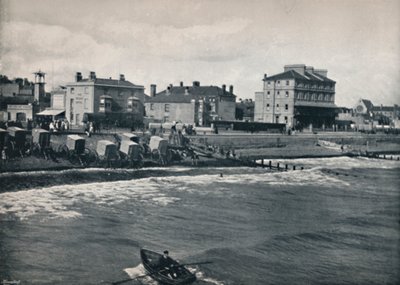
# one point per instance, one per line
(224, 87)
(181, 83)
(92, 75)
(122, 77)
(153, 88)
(231, 89)
(196, 83)
(78, 76)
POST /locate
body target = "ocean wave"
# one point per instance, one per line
(342, 162)
(140, 273)
(59, 201)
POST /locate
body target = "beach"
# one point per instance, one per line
(246, 147)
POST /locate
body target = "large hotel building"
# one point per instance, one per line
(299, 97)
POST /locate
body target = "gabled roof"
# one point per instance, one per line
(114, 82)
(292, 74)
(367, 104)
(184, 94)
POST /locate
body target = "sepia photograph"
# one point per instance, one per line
(208, 142)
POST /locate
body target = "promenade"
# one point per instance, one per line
(246, 146)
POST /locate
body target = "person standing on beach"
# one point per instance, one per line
(3, 157)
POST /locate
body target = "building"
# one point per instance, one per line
(20, 99)
(300, 97)
(196, 104)
(94, 95)
(57, 104)
(366, 116)
(245, 110)
(20, 113)
(391, 112)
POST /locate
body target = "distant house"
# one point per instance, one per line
(365, 116)
(391, 112)
(301, 96)
(9, 89)
(197, 105)
(245, 110)
(364, 107)
(93, 95)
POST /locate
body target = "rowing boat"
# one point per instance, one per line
(166, 271)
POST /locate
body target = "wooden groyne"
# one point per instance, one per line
(268, 164)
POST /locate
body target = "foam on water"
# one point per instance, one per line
(59, 201)
(139, 272)
(342, 162)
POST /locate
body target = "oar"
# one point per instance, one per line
(144, 275)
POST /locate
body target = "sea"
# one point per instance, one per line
(337, 221)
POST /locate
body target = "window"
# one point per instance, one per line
(267, 107)
(277, 93)
(72, 90)
(286, 119)
(85, 103)
(287, 93)
(268, 92)
(287, 82)
(268, 83)
(286, 107)
(86, 90)
(166, 108)
(279, 82)
(151, 106)
(277, 106)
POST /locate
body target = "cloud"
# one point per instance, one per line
(216, 42)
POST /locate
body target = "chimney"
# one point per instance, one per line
(300, 68)
(78, 77)
(187, 90)
(122, 77)
(181, 84)
(153, 90)
(196, 83)
(92, 75)
(224, 88)
(231, 89)
(323, 72)
(168, 91)
(265, 76)
(310, 69)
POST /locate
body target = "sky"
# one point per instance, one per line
(212, 41)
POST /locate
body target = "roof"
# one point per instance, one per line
(292, 74)
(114, 82)
(51, 112)
(384, 108)
(178, 94)
(367, 104)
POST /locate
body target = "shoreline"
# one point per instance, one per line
(247, 148)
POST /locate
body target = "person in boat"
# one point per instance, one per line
(167, 266)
